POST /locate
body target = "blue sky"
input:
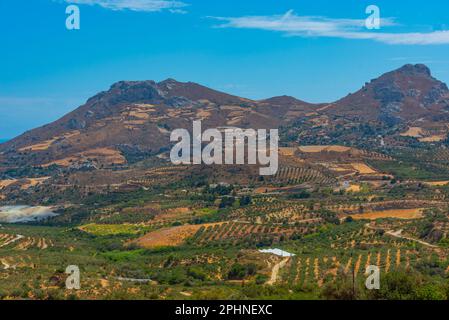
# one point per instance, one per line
(317, 50)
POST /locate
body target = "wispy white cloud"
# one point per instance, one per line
(136, 5)
(311, 26)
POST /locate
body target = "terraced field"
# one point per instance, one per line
(296, 175)
(21, 242)
(317, 270)
(169, 233)
(237, 232)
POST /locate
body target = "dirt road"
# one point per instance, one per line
(275, 272)
(398, 234)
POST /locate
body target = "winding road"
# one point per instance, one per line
(398, 234)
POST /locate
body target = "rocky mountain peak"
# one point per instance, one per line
(407, 93)
(128, 92)
(413, 70)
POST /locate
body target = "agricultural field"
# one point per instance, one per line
(172, 234)
(157, 231)
(201, 245)
(397, 214)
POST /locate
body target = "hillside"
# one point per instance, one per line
(133, 119)
(137, 117)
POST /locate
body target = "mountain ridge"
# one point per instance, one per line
(137, 116)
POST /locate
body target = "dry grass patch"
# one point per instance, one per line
(7, 183)
(203, 114)
(32, 182)
(47, 144)
(354, 188)
(169, 237)
(437, 183)
(139, 115)
(434, 138)
(318, 149)
(101, 155)
(66, 162)
(38, 147)
(414, 132)
(235, 121)
(363, 168)
(287, 152)
(174, 214)
(407, 214)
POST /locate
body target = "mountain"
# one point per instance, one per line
(407, 94)
(133, 119)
